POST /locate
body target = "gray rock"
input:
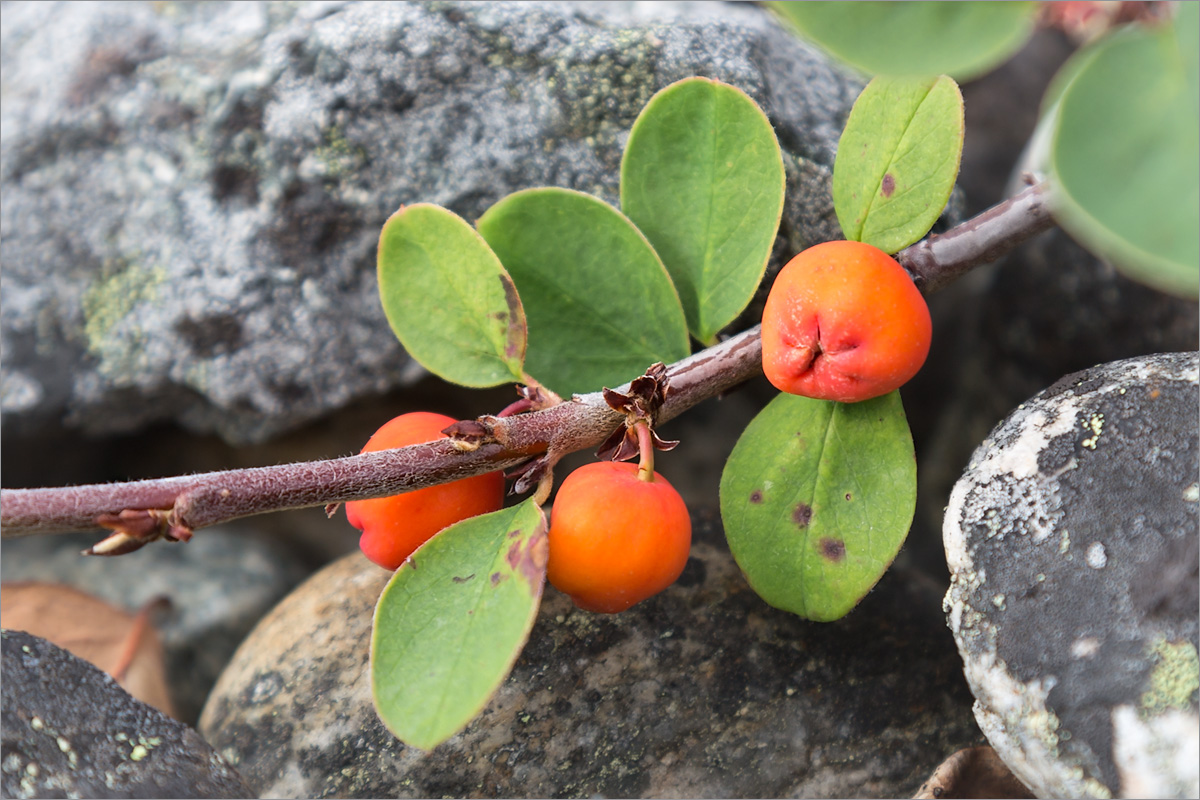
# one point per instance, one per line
(70, 731)
(193, 192)
(701, 691)
(1072, 543)
(219, 585)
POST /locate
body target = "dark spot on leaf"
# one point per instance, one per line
(833, 549)
(847, 496)
(888, 186)
(497, 577)
(514, 534)
(530, 561)
(802, 515)
(756, 496)
(457, 579)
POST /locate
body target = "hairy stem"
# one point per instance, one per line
(197, 501)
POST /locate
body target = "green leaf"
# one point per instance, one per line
(817, 498)
(897, 160)
(601, 306)
(448, 299)
(963, 39)
(702, 177)
(452, 621)
(1126, 152)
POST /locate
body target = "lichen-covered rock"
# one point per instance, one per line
(70, 731)
(218, 586)
(1072, 544)
(193, 193)
(701, 691)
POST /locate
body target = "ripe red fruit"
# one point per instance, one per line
(393, 527)
(844, 322)
(616, 539)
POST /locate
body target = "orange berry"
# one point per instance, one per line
(393, 527)
(844, 322)
(615, 539)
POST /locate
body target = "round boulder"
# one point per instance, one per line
(1072, 545)
(700, 691)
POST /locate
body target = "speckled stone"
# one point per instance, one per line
(1072, 543)
(701, 691)
(219, 585)
(193, 192)
(70, 731)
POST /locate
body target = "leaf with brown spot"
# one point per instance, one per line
(122, 644)
(441, 645)
(897, 160)
(448, 298)
(836, 492)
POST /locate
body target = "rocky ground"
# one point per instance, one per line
(192, 196)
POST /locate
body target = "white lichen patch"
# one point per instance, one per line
(1156, 757)
(1097, 556)
(1192, 493)
(1085, 647)
(1023, 731)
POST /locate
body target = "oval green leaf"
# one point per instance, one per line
(963, 39)
(897, 160)
(1126, 152)
(600, 304)
(817, 498)
(448, 298)
(452, 621)
(702, 177)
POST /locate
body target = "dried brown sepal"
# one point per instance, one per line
(132, 529)
(539, 396)
(641, 404)
(646, 394)
(331, 509)
(116, 544)
(469, 435)
(973, 772)
(526, 476)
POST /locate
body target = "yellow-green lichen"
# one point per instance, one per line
(1095, 424)
(109, 301)
(338, 155)
(1175, 679)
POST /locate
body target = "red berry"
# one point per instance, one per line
(616, 539)
(844, 322)
(393, 527)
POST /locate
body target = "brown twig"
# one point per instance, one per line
(174, 507)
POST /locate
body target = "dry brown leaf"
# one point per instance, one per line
(970, 773)
(122, 644)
